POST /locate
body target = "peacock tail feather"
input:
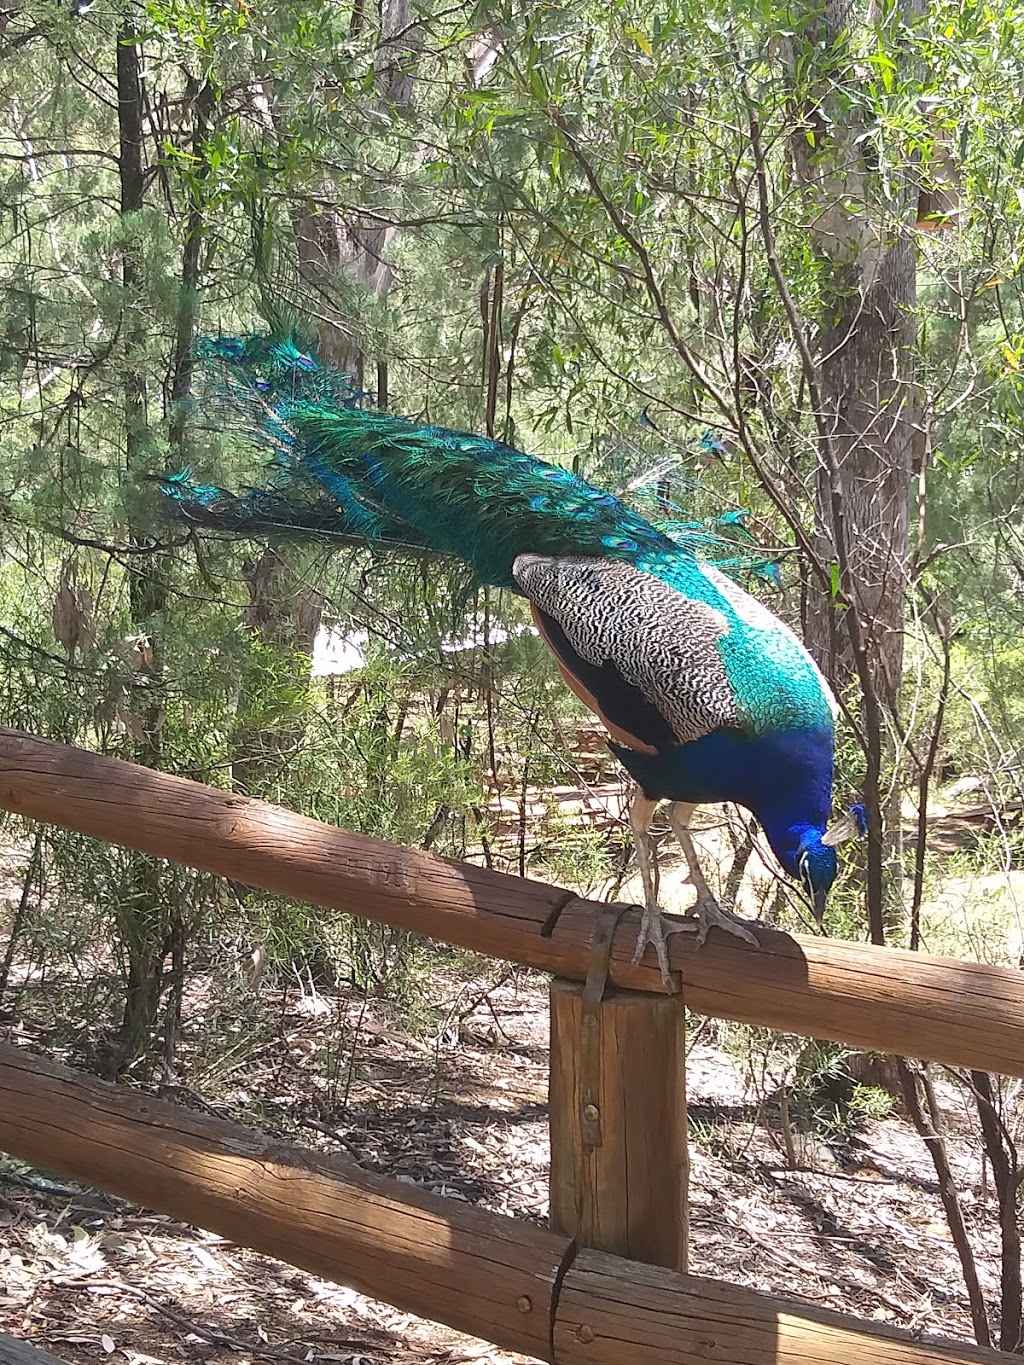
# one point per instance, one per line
(350, 473)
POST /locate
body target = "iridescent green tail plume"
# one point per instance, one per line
(343, 472)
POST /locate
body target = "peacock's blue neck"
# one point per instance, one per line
(784, 779)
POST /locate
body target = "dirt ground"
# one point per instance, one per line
(462, 1112)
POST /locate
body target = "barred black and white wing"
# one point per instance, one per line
(642, 655)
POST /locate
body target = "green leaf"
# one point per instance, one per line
(641, 39)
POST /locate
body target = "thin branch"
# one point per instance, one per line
(950, 1198)
(924, 778)
(1002, 1153)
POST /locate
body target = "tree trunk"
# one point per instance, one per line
(867, 375)
(867, 344)
(144, 917)
(862, 226)
(868, 388)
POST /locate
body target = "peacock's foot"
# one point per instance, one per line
(709, 913)
(654, 929)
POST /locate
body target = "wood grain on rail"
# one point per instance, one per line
(961, 1013)
(614, 1312)
(496, 1277)
(489, 1276)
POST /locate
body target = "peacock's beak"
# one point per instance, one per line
(818, 898)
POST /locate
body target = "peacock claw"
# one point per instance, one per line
(704, 915)
(709, 913)
(654, 930)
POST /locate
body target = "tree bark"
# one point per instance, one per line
(867, 383)
(867, 349)
(143, 917)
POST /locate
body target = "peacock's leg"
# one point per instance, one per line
(707, 909)
(652, 927)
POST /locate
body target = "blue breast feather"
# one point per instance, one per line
(784, 778)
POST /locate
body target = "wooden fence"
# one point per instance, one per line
(619, 1171)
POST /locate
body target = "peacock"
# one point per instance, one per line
(706, 695)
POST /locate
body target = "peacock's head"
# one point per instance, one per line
(815, 859)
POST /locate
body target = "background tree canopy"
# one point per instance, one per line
(599, 232)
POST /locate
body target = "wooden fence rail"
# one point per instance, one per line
(16, 1352)
(500, 1278)
(961, 1013)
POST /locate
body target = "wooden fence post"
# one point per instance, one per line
(619, 1160)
